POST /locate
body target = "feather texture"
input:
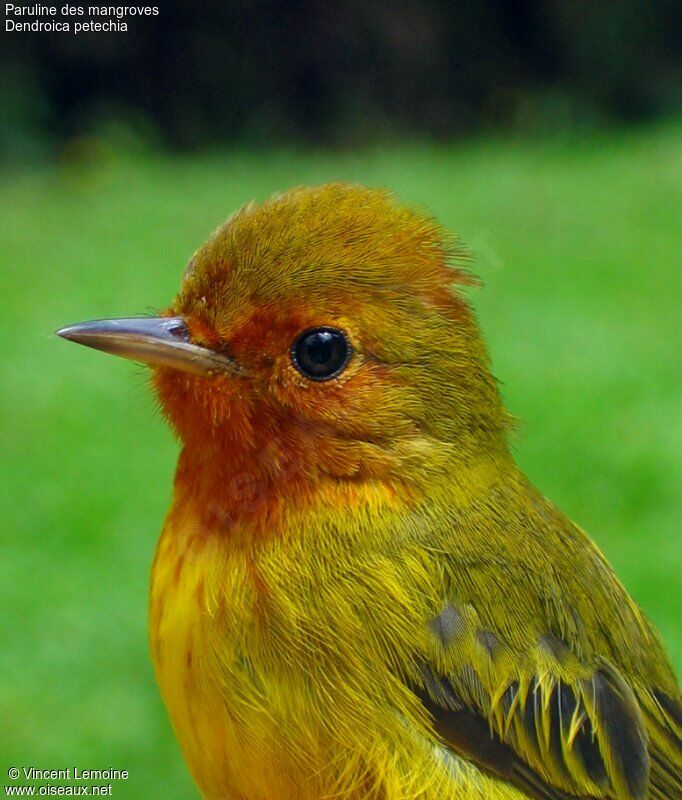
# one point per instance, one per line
(357, 594)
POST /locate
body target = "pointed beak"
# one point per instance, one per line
(158, 341)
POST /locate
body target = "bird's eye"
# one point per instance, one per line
(321, 353)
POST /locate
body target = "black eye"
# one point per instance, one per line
(321, 353)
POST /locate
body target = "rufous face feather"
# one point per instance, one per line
(378, 279)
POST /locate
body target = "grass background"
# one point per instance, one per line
(578, 245)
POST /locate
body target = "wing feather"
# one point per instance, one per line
(541, 719)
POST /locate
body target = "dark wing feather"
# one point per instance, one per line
(664, 714)
(555, 728)
(469, 735)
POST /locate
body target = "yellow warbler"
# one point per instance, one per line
(356, 593)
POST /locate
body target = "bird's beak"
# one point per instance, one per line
(159, 341)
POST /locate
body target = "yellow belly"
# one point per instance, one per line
(258, 723)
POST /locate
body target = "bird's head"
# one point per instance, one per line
(319, 337)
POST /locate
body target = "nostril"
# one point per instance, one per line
(178, 330)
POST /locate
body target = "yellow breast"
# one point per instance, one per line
(195, 644)
(272, 698)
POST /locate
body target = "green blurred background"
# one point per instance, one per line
(568, 190)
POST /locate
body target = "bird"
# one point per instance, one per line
(356, 592)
